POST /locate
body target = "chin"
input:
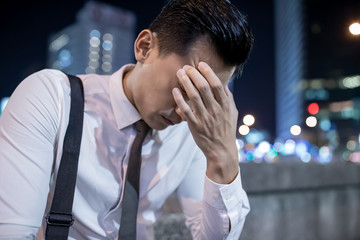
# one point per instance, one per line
(160, 127)
(156, 125)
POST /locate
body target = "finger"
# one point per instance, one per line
(191, 92)
(227, 91)
(179, 112)
(183, 106)
(215, 83)
(201, 85)
(230, 97)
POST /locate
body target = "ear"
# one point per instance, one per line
(144, 45)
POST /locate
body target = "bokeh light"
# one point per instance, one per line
(311, 121)
(289, 147)
(295, 130)
(300, 148)
(95, 33)
(264, 146)
(325, 154)
(249, 120)
(351, 145)
(325, 124)
(313, 108)
(244, 130)
(355, 28)
(305, 157)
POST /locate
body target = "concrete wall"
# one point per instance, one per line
(302, 201)
(289, 201)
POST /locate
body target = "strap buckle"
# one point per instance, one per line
(59, 219)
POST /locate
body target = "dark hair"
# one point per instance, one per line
(182, 22)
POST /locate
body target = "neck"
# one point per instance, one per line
(127, 86)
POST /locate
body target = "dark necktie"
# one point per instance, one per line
(130, 203)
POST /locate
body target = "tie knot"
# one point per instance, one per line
(141, 128)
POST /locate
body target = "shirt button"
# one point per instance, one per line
(227, 197)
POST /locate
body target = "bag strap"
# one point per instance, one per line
(59, 219)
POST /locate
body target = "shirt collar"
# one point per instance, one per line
(125, 113)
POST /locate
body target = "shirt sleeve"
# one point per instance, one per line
(28, 129)
(212, 211)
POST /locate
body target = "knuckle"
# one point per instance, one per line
(186, 111)
(194, 98)
(218, 87)
(204, 88)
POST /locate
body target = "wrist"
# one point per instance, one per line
(222, 170)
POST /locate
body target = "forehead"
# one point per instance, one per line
(203, 51)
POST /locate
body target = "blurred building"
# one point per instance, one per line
(317, 56)
(289, 67)
(101, 41)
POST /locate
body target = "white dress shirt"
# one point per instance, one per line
(32, 130)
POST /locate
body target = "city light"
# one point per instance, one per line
(300, 148)
(106, 67)
(355, 28)
(244, 130)
(289, 147)
(59, 43)
(107, 45)
(313, 108)
(351, 82)
(264, 146)
(94, 42)
(325, 154)
(95, 33)
(354, 157)
(295, 130)
(65, 58)
(305, 157)
(108, 37)
(311, 121)
(249, 120)
(351, 145)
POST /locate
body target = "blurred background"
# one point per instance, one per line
(298, 97)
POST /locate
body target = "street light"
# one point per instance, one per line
(249, 120)
(295, 130)
(355, 28)
(244, 130)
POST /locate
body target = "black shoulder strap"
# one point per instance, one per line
(59, 219)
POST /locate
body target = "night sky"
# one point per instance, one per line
(26, 25)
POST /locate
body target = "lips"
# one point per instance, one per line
(168, 121)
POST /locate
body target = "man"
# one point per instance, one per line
(184, 62)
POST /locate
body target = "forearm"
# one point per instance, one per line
(222, 167)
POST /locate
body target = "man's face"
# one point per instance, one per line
(152, 92)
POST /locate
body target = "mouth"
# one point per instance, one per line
(168, 121)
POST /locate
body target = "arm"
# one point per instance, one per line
(211, 115)
(210, 207)
(28, 129)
